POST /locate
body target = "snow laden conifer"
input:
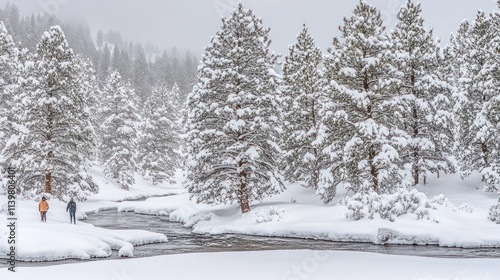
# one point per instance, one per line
(302, 93)
(487, 122)
(119, 131)
(159, 146)
(54, 135)
(476, 69)
(361, 115)
(233, 117)
(423, 95)
(9, 73)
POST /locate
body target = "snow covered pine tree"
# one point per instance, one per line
(302, 91)
(54, 139)
(476, 66)
(9, 73)
(159, 147)
(119, 131)
(362, 113)
(487, 122)
(423, 95)
(233, 117)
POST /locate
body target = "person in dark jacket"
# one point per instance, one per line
(72, 210)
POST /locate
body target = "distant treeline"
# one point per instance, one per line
(145, 66)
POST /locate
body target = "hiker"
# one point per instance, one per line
(43, 207)
(72, 211)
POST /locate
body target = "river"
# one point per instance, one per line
(182, 240)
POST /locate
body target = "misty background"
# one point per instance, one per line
(189, 24)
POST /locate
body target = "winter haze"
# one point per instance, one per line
(190, 23)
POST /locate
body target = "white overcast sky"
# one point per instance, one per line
(191, 23)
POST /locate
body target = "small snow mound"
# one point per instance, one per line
(269, 214)
(391, 206)
(384, 235)
(390, 236)
(126, 251)
(466, 207)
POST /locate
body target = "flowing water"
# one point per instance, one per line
(182, 240)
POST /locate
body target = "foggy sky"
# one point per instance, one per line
(191, 23)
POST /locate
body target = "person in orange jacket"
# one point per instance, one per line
(43, 207)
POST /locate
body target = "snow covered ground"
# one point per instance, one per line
(58, 239)
(297, 212)
(276, 265)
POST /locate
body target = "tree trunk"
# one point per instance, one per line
(244, 205)
(484, 150)
(48, 177)
(373, 170)
(243, 195)
(416, 152)
(315, 172)
(50, 154)
(415, 175)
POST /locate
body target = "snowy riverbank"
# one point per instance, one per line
(460, 220)
(58, 239)
(297, 212)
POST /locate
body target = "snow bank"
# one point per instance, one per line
(285, 265)
(298, 212)
(58, 239)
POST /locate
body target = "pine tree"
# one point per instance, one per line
(115, 60)
(140, 75)
(91, 86)
(423, 95)
(486, 125)
(54, 135)
(164, 70)
(124, 67)
(302, 96)
(233, 117)
(119, 131)
(99, 39)
(361, 114)
(477, 84)
(9, 73)
(159, 150)
(104, 64)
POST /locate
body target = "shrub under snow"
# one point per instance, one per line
(391, 206)
(494, 214)
(269, 214)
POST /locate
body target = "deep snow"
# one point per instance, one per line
(297, 212)
(276, 265)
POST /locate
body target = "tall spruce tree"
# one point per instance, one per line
(115, 60)
(477, 83)
(302, 93)
(140, 75)
(54, 135)
(233, 117)
(424, 95)
(159, 146)
(487, 122)
(361, 116)
(119, 131)
(104, 64)
(9, 73)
